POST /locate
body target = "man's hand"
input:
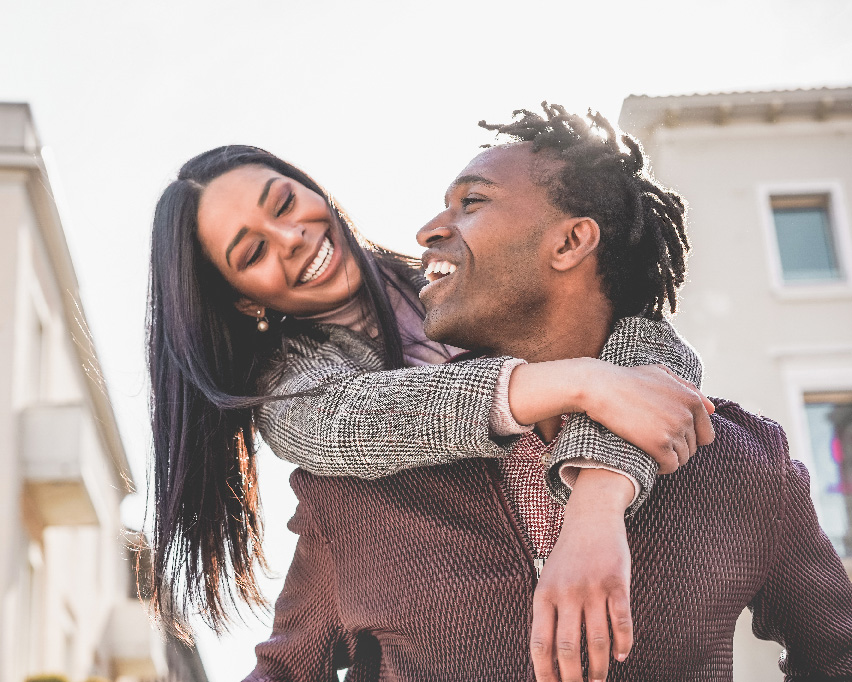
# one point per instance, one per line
(652, 408)
(586, 580)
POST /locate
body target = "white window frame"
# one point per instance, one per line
(840, 231)
(799, 381)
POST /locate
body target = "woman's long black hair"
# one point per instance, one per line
(204, 358)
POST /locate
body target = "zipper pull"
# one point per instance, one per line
(538, 563)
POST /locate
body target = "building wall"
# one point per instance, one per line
(66, 603)
(763, 343)
(59, 581)
(749, 331)
(14, 568)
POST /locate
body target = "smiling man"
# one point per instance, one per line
(544, 246)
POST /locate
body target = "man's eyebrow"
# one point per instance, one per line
(471, 180)
(236, 240)
(468, 180)
(265, 192)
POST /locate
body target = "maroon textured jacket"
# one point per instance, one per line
(424, 575)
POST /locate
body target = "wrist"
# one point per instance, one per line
(541, 390)
(601, 491)
(580, 379)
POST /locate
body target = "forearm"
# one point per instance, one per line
(586, 579)
(542, 390)
(371, 424)
(639, 341)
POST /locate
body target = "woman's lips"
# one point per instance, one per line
(320, 263)
(328, 266)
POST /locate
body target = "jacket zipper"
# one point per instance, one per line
(536, 561)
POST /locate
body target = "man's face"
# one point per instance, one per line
(488, 241)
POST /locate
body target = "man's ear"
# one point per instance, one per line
(248, 307)
(576, 238)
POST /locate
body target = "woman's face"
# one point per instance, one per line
(274, 241)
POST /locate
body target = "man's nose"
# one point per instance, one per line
(433, 231)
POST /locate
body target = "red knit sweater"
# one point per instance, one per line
(425, 575)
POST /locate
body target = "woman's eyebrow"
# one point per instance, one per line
(265, 192)
(236, 240)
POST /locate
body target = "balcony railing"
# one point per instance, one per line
(60, 446)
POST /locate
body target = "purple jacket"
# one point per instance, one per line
(424, 575)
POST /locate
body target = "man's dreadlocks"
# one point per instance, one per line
(642, 252)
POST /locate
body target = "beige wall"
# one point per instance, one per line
(13, 538)
(763, 343)
(64, 570)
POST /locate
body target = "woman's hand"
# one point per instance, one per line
(586, 580)
(653, 408)
(648, 406)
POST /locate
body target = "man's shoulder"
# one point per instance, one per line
(747, 439)
(737, 483)
(473, 472)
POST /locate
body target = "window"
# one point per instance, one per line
(829, 418)
(805, 237)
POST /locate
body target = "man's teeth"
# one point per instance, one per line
(320, 263)
(438, 268)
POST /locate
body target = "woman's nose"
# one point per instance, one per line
(433, 231)
(291, 236)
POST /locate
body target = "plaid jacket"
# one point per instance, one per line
(425, 575)
(349, 418)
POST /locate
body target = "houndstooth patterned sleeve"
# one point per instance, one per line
(348, 418)
(634, 341)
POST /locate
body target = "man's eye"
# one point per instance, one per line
(467, 201)
(256, 254)
(287, 205)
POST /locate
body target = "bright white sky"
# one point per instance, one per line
(378, 100)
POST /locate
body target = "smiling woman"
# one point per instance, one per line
(241, 239)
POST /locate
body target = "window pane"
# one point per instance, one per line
(830, 427)
(805, 243)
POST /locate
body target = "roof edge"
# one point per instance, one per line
(644, 113)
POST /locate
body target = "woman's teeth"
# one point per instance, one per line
(320, 263)
(438, 268)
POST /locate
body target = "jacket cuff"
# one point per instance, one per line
(501, 420)
(582, 435)
(569, 470)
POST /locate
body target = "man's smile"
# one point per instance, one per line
(437, 269)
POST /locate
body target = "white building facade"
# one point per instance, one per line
(67, 597)
(768, 302)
